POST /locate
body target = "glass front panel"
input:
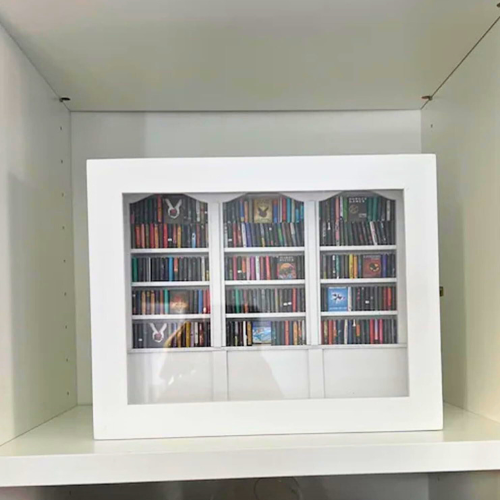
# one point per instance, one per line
(261, 296)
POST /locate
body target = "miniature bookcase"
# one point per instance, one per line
(255, 296)
(259, 296)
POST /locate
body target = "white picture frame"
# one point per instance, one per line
(114, 418)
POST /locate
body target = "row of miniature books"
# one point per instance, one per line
(359, 331)
(170, 268)
(358, 298)
(264, 267)
(161, 335)
(156, 235)
(353, 266)
(168, 209)
(251, 235)
(165, 301)
(357, 220)
(264, 210)
(240, 333)
(256, 332)
(265, 300)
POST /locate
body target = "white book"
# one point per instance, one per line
(244, 235)
(374, 234)
(257, 268)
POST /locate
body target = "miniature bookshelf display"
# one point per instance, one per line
(265, 295)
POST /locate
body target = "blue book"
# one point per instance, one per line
(337, 298)
(170, 269)
(261, 332)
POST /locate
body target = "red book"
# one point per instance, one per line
(160, 211)
(380, 331)
(294, 300)
(165, 236)
(268, 267)
(138, 241)
(372, 333)
(176, 268)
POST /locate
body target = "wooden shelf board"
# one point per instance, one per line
(359, 248)
(63, 452)
(170, 284)
(358, 281)
(169, 251)
(252, 250)
(273, 283)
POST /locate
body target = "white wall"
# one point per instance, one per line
(37, 339)
(137, 135)
(462, 125)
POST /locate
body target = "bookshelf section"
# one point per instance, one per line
(170, 273)
(358, 270)
(264, 271)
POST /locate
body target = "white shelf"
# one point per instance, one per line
(359, 248)
(166, 350)
(365, 346)
(358, 281)
(169, 250)
(172, 317)
(261, 283)
(345, 314)
(276, 315)
(252, 250)
(170, 284)
(266, 347)
(62, 451)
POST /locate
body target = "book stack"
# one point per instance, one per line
(268, 267)
(359, 331)
(164, 301)
(170, 269)
(265, 300)
(256, 332)
(358, 298)
(352, 266)
(263, 221)
(161, 335)
(357, 221)
(165, 221)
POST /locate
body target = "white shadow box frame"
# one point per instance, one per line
(110, 180)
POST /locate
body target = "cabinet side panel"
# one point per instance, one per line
(37, 358)
(461, 125)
